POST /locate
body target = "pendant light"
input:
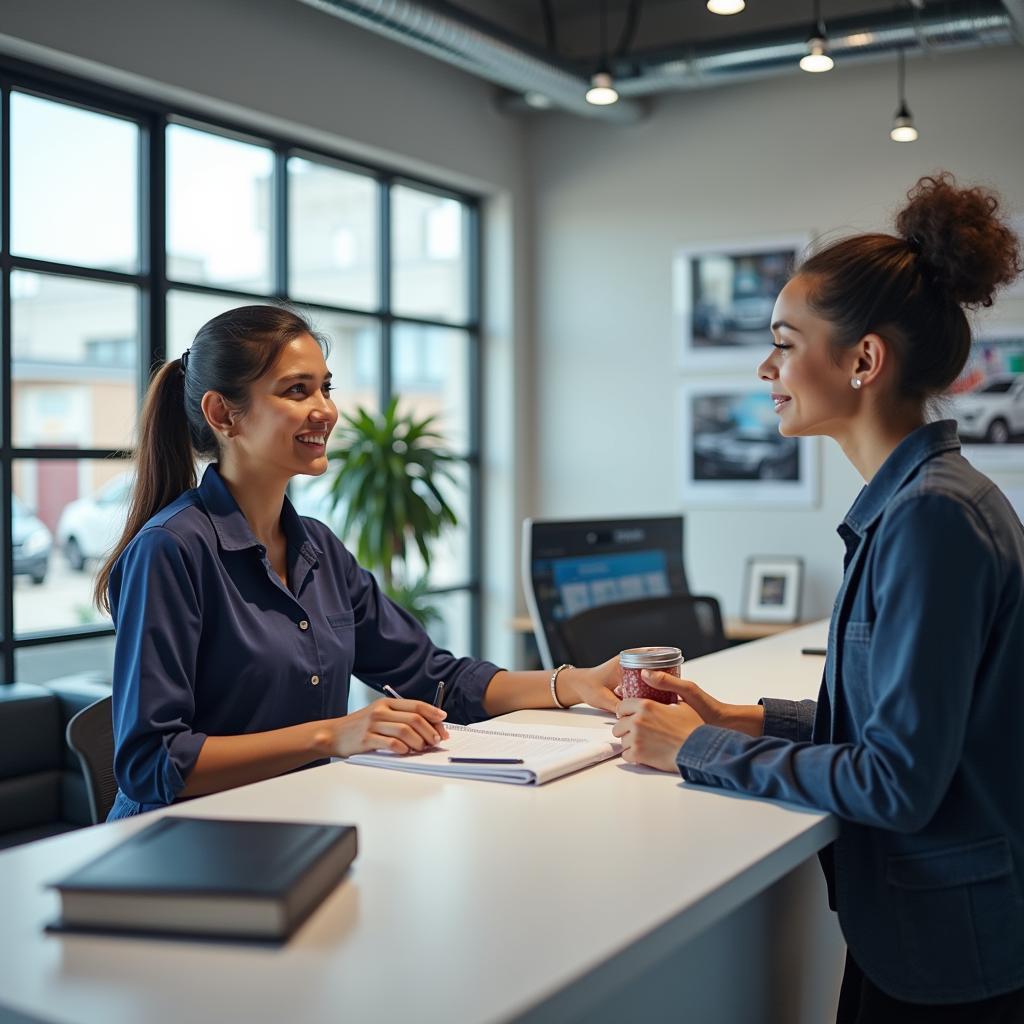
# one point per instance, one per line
(726, 6)
(903, 129)
(602, 86)
(816, 59)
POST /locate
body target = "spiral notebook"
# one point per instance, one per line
(546, 751)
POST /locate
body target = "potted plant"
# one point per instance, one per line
(386, 490)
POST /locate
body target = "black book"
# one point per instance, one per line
(201, 876)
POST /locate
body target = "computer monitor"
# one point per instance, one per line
(572, 565)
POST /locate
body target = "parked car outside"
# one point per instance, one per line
(31, 542)
(993, 411)
(89, 527)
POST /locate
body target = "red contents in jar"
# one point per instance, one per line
(633, 686)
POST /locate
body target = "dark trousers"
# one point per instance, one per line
(861, 1002)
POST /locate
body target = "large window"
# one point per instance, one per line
(124, 226)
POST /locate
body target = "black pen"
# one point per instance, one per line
(485, 760)
(439, 695)
(814, 650)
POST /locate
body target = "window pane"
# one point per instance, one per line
(453, 631)
(430, 370)
(66, 516)
(74, 185)
(75, 361)
(332, 235)
(50, 661)
(449, 554)
(187, 312)
(429, 275)
(219, 196)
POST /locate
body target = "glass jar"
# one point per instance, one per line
(657, 659)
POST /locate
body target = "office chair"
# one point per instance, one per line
(90, 734)
(690, 622)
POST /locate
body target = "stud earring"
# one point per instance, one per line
(855, 383)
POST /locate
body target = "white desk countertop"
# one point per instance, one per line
(469, 901)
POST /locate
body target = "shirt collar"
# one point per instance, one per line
(906, 458)
(231, 526)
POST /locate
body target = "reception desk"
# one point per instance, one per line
(616, 893)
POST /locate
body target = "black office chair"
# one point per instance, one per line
(690, 622)
(90, 734)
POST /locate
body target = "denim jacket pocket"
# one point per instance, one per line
(959, 908)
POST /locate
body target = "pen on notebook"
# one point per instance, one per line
(485, 760)
(814, 650)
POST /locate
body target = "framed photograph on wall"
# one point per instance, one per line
(732, 454)
(723, 296)
(771, 588)
(988, 400)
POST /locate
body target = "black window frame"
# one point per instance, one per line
(151, 280)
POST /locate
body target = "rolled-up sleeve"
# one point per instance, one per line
(157, 615)
(392, 647)
(936, 582)
(788, 719)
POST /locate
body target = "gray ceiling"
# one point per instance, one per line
(664, 23)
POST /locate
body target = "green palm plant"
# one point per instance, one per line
(387, 480)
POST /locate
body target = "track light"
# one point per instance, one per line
(602, 86)
(726, 6)
(816, 59)
(602, 89)
(903, 129)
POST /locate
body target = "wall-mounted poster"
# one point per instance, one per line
(988, 400)
(732, 452)
(723, 296)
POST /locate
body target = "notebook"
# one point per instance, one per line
(547, 752)
(206, 877)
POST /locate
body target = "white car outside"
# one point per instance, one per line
(89, 527)
(994, 411)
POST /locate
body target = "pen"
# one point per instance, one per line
(391, 691)
(439, 695)
(814, 650)
(485, 760)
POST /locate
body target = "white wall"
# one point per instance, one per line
(795, 154)
(279, 65)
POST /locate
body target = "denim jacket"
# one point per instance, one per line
(916, 741)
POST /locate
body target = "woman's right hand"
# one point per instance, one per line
(399, 725)
(745, 718)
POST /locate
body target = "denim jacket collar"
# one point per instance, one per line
(908, 456)
(232, 528)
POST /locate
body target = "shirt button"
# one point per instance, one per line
(314, 680)
(303, 625)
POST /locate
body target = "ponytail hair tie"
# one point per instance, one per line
(184, 361)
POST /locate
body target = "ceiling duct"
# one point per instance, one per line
(454, 35)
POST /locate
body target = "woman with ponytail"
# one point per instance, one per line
(239, 623)
(916, 741)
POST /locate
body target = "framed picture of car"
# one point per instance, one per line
(732, 453)
(723, 296)
(988, 399)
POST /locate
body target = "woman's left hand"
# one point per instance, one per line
(652, 733)
(593, 686)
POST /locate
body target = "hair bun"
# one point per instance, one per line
(964, 246)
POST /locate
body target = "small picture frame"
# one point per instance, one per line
(771, 591)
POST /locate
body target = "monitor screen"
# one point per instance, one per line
(570, 566)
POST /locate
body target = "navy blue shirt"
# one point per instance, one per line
(211, 643)
(916, 741)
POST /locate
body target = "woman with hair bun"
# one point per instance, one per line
(239, 623)
(916, 741)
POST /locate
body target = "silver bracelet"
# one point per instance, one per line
(554, 693)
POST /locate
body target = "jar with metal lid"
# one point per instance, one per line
(656, 659)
